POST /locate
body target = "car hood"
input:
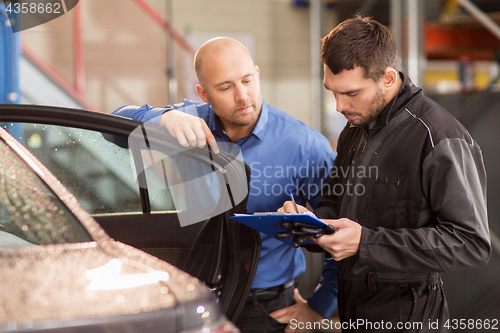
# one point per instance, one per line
(63, 282)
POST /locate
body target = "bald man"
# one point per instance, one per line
(282, 152)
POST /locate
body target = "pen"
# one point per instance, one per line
(293, 200)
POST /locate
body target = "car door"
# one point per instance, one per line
(147, 191)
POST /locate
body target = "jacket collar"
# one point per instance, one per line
(395, 106)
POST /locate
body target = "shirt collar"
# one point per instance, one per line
(260, 127)
(214, 122)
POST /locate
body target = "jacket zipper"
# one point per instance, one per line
(364, 146)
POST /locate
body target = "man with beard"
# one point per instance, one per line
(283, 154)
(424, 209)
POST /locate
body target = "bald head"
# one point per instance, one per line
(229, 81)
(215, 49)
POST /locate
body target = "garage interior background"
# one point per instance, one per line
(104, 54)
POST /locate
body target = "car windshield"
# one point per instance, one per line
(30, 213)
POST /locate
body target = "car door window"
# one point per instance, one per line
(175, 181)
(96, 170)
(30, 213)
(100, 171)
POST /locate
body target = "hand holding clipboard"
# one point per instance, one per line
(302, 231)
(300, 226)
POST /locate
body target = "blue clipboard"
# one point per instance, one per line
(269, 223)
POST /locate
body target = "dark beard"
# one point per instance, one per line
(375, 110)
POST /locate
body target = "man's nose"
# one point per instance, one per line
(241, 93)
(341, 104)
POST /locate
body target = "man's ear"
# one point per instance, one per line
(390, 77)
(202, 93)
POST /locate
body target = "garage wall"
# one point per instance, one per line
(279, 35)
(125, 55)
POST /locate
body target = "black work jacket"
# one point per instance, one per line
(417, 185)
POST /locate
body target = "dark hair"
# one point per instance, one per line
(361, 42)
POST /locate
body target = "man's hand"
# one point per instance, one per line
(188, 130)
(288, 207)
(344, 242)
(300, 311)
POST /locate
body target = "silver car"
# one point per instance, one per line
(61, 272)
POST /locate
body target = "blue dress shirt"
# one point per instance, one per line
(283, 154)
